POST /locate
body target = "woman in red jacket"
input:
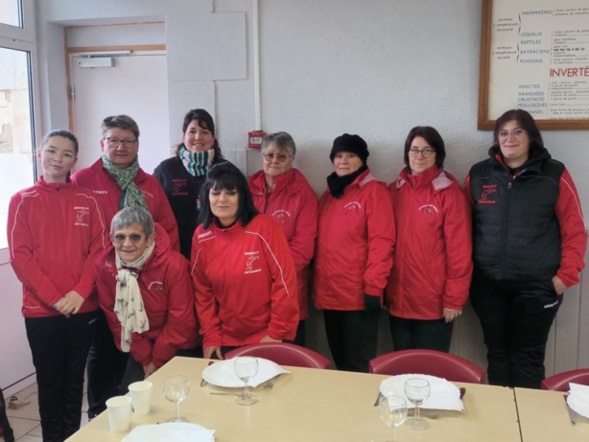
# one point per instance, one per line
(281, 191)
(430, 280)
(145, 291)
(243, 271)
(55, 233)
(354, 254)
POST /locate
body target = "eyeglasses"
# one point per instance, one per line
(280, 157)
(115, 142)
(516, 133)
(119, 238)
(426, 152)
(66, 157)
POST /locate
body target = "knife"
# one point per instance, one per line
(572, 413)
(204, 383)
(378, 398)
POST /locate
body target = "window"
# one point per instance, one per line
(16, 144)
(10, 12)
(17, 139)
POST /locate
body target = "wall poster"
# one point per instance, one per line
(535, 56)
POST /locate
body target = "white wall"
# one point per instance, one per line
(374, 68)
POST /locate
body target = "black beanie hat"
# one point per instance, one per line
(350, 143)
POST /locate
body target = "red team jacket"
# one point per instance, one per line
(55, 233)
(108, 193)
(433, 254)
(293, 205)
(168, 298)
(355, 245)
(245, 283)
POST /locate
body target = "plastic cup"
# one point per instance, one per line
(119, 413)
(141, 396)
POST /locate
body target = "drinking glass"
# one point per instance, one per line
(393, 411)
(176, 390)
(246, 367)
(417, 390)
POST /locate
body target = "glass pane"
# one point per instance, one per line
(16, 139)
(10, 12)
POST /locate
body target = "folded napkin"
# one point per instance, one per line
(444, 395)
(171, 431)
(578, 398)
(222, 373)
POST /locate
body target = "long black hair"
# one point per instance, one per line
(227, 176)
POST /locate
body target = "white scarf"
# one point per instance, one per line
(128, 301)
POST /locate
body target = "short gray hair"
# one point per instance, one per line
(132, 215)
(124, 122)
(283, 141)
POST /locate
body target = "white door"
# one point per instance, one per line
(136, 85)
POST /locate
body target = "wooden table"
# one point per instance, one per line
(543, 417)
(316, 405)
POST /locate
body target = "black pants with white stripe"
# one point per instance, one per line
(60, 346)
(516, 318)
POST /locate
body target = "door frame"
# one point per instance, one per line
(89, 50)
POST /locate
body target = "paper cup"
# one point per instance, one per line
(141, 396)
(119, 413)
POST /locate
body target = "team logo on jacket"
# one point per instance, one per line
(82, 216)
(428, 208)
(250, 260)
(281, 216)
(179, 184)
(488, 195)
(354, 205)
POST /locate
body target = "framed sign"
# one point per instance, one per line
(535, 56)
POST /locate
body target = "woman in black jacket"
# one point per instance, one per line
(528, 245)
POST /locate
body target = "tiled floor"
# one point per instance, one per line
(25, 420)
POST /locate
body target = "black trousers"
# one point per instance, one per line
(134, 371)
(60, 346)
(106, 366)
(301, 337)
(352, 337)
(4, 424)
(516, 318)
(416, 333)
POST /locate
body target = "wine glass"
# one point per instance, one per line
(176, 390)
(393, 411)
(417, 390)
(246, 367)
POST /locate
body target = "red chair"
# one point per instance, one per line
(434, 363)
(560, 381)
(283, 354)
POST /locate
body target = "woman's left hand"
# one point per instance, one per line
(149, 370)
(269, 339)
(450, 314)
(70, 304)
(559, 286)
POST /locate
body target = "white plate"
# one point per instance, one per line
(444, 395)
(222, 373)
(176, 431)
(578, 404)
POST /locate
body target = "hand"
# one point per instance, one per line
(213, 352)
(149, 370)
(371, 303)
(70, 304)
(450, 314)
(269, 339)
(559, 286)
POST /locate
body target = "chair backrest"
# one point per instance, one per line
(560, 381)
(434, 363)
(283, 354)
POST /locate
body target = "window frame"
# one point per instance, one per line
(24, 39)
